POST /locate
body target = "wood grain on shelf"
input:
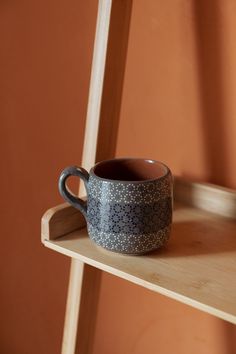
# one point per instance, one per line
(197, 267)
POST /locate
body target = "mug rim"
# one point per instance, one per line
(167, 172)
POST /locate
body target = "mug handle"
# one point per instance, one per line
(67, 194)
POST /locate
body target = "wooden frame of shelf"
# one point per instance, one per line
(198, 265)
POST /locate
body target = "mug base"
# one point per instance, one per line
(136, 245)
(119, 253)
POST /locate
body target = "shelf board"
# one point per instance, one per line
(197, 267)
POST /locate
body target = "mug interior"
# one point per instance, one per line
(130, 169)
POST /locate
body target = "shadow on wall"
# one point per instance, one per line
(208, 39)
(230, 335)
(114, 78)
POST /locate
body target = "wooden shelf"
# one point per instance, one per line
(197, 267)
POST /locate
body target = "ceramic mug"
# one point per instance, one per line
(129, 203)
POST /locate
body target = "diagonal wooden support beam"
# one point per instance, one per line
(79, 272)
(108, 67)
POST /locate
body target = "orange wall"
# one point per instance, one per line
(179, 107)
(179, 80)
(46, 49)
(179, 92)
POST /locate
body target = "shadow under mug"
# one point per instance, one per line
(129, 203)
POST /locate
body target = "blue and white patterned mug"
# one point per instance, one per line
(129, 203)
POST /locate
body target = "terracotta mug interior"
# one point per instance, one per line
(130, 169)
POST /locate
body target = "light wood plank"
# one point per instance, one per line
(197, 267)
(61, 220)
(84, 284)
(88, 309)
(96, 85)
(75, 289)
(88, 160)
(217, 199)
(107, 121)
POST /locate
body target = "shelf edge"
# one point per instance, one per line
(208, 197)
(61, 220)
(139, 281)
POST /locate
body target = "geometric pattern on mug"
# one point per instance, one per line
(125, 192)
(132, 219)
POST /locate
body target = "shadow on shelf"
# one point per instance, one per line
(193, 238)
